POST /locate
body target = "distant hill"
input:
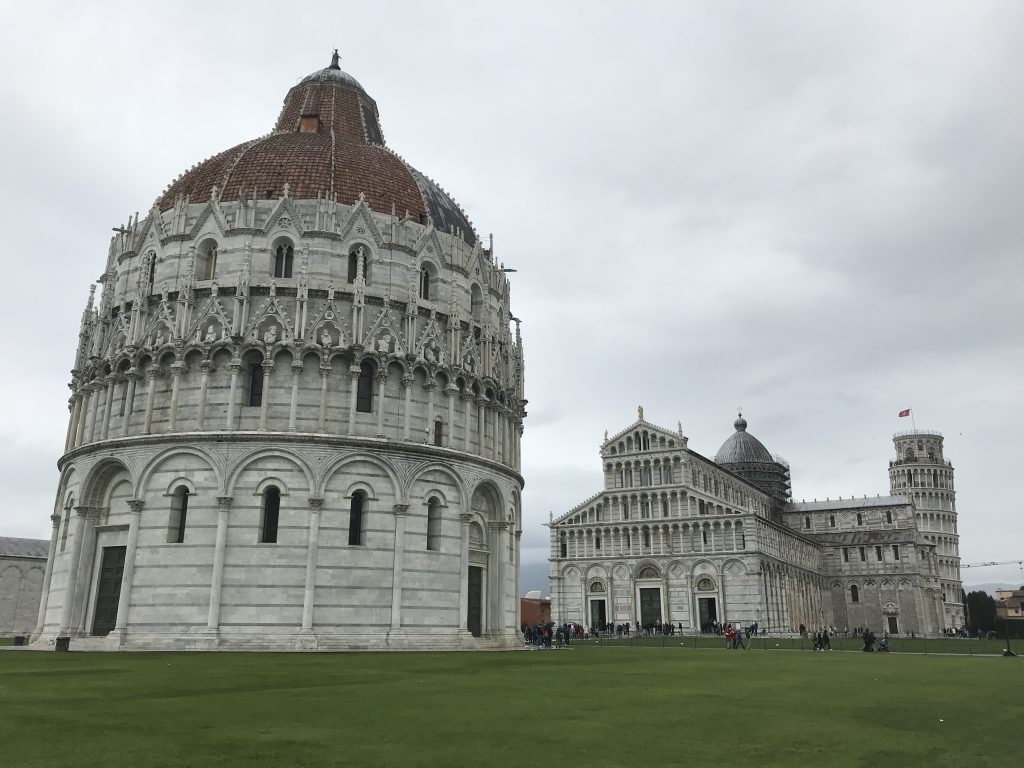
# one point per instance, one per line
(991, 587)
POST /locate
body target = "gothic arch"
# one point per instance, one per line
(242, 463)
(445, 470)
(490, 495)
(98, 481)
(200, 452)
(331, 469)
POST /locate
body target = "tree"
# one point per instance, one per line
(981, 612)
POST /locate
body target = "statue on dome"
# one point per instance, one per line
(640, 412)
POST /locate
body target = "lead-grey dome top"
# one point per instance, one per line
(742, 447)
(333, 74)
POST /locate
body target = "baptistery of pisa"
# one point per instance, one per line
(296, 409)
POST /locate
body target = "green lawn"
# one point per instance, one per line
(589, 706)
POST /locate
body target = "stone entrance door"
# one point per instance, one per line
(597, 614)
(708, 611)
(474, 611)
(108, 592)
(650, 606)
(894, 627)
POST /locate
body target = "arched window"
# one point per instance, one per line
(206, 266)
(271, 515)
(664, 507)
(425, 284)
(438, 432)
(647, 539)
(831, 521)
(854, 594)
(283, 257)
(364, 387)
(211, 262)
(625, 510)
(255, 385)
(807, 522)
(476, 303)
(434, 525)
(356, 258)
(179, 514)
(666, 473)
(860, 519)
(355, 518)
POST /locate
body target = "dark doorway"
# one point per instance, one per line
(650, 606)
(108, 591)
(894, 628)
(475, 609)
(597, 614)
(708, 611)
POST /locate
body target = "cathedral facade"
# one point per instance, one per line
(296, 409)
(675, 537)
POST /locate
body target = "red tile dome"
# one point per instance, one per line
(327, 140)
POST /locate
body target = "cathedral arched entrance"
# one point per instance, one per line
(650, 597)
(707, 602)
(598, 605)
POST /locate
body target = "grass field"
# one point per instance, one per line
(586, 707)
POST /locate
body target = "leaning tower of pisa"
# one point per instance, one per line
(922, 473)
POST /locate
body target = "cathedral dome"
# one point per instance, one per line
(742, 447)
(327, 142)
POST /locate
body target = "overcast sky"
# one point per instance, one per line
(812, 210)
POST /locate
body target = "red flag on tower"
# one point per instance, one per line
(905, 412)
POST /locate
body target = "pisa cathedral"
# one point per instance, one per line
(675, 537)
(296, 409)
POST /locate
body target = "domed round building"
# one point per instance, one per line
(296, 409)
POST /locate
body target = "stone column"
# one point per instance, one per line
(396, 576)
(309, 598)
(430, 386)
(217, 580)
(111, 383)
(236, 367)
(353, 376)
(83, 415)
(499, 433)
(481, 423)
(497, 576)
(172, 420)
(69, 440)
(94, 407)
(407, 416)
(129, 401)
(450, 391)
(152, 373)
(518, 604)
(294, 405)
(268, 368)
(204, 388)
(71, 587)
(464, 520)
(382, 377)
(325, 374)
(47, 575)
(467, 398)
(121, 625)
(88, 556)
